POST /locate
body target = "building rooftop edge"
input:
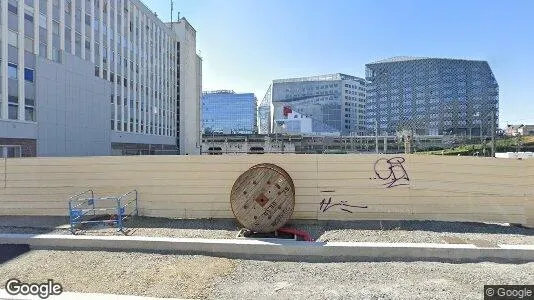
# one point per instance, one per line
(224, 92)
(325, 77)
(412, 58)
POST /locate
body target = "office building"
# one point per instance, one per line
(96, 77)
(227, 112)
(318, 105)
(431, 96)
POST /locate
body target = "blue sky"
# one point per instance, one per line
(247, 43)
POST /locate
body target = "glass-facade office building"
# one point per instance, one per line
(326, 104)
(227, 112)
(431, 96)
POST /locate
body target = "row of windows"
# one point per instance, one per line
(29, 74)
(12, 72)
(354, 87)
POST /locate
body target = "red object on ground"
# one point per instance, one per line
(287, 110)
(303, 234)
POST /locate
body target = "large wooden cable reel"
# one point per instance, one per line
(263, 198)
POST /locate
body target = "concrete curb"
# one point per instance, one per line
(80, 296)
(266, 249)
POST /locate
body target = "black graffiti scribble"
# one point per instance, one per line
(325, 205)
(394, 172)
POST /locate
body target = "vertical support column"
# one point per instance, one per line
(135, 47)
(3, 65)
(92, 25)
(166, 87)
(82, 29)
(127, 56)
(150, 72)
(144, 61)
(161, 91)
(49, 30)
(117, 85)
(62, 25)
(20, 69)
(158, 80)
(120, 35)
(101, 46)
(36, 20)
(73, 27)
(170, 86)
(108, 39)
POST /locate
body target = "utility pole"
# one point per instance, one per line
(376, 136)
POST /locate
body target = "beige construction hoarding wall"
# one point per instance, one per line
(328, 187)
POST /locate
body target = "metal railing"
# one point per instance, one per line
(90, 210)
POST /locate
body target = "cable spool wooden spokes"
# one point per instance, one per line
(263, 198)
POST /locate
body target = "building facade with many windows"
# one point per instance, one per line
(95, 77)
(227, 112)
(326, 104)
(431, 96)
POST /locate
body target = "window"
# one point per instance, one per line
(42, 21)
(12, 38)
(12, 8)
(28, 74)
(30, 102)
(29, 114)
(55, 27)
(28, 44)
(12, 71)
(13, 99)
(28, 16)
(13, 112)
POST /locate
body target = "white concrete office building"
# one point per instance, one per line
(96, 77)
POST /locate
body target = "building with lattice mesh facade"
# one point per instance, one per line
(317, 105)
(431, 96)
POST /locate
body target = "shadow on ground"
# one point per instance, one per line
(318, 228)
(9, 251)
(315, 228)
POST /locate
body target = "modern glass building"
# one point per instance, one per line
(326, 104)
(226, 112)
(96, 77)
(431, 96)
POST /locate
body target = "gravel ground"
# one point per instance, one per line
(142, 274)
(355, 231)
(200, 277)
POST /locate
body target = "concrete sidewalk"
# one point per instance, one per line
(79, 296)
(278, 249)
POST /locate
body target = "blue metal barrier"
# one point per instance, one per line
(82, 209)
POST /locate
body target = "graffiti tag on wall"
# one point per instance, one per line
(342, 205)
(392, 171)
